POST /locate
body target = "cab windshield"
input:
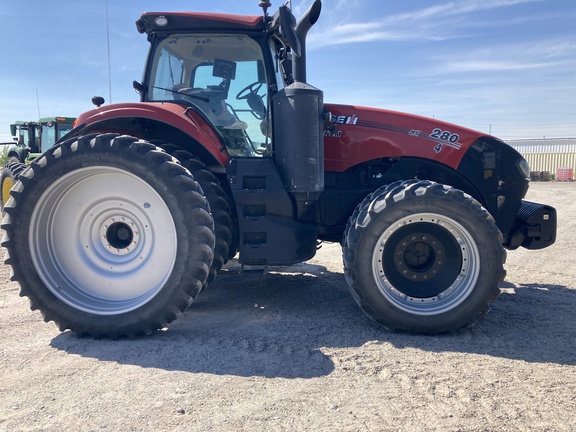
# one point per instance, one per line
(222, 76)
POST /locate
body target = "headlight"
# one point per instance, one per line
(524, 168)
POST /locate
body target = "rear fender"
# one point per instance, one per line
(175, 123)
(19, 153)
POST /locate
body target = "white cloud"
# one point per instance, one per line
(431, 23)
(491, 66)
(557, 56)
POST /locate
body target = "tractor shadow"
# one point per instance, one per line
(287, 322)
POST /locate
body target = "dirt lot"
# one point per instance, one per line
(291, 351)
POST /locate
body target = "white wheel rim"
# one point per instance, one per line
(102, 240)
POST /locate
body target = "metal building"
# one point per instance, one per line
(555, 156)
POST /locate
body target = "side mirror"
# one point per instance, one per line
(13, 129)
(287, 23)
(136, 85)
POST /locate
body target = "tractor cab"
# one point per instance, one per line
(230, 69)
(27, 139)
(221, 76)
(25, 133)
(52, 129)
(245, 77)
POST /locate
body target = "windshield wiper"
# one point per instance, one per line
(204, 99)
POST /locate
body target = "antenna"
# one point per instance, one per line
(38, 103)
(265, 4)
(108, 47)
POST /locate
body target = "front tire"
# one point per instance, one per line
(8, 178)
(108, 236)
(423, 257)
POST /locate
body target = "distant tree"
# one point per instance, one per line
(4, 156)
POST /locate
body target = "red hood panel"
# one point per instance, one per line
(359, 134)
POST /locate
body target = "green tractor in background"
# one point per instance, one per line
(31, 139)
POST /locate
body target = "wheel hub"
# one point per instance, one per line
(419, 257)
(118, 235)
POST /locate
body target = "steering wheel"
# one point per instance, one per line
(253, 88)
(254, 100)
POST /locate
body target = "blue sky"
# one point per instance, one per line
(502, 66)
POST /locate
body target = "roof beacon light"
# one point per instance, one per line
(161, 21)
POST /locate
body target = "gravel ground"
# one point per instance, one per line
(292, 351)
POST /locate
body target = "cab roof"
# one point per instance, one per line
(151, 22)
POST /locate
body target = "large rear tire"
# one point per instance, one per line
(219, 205)
(108, 236)
(422, 257)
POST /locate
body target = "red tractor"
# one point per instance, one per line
(116, 229)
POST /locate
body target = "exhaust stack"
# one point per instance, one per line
(299, 135)
(302, 27)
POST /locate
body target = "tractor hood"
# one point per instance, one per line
(358, 134)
